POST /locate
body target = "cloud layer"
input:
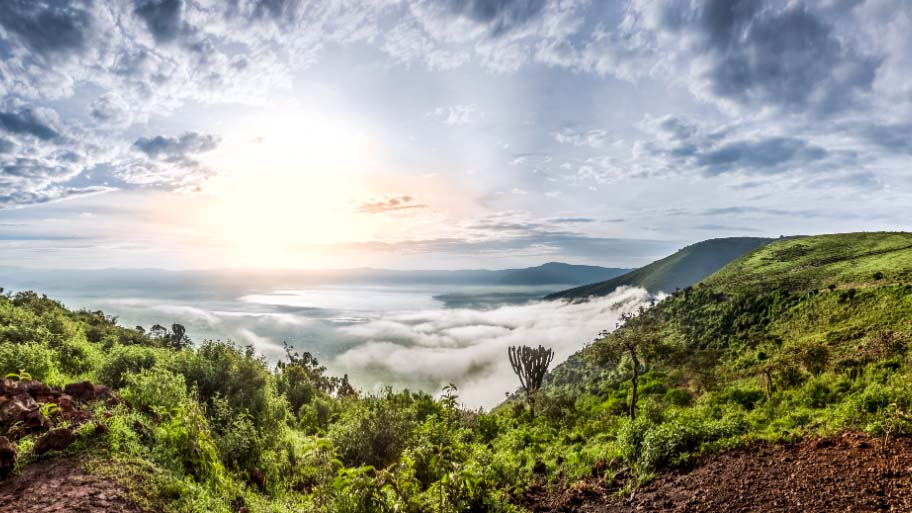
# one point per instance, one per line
(468, 348)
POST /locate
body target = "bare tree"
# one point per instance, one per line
(530, 364)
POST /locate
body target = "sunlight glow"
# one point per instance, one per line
(289, 182)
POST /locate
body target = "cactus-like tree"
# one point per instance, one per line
(530, 364)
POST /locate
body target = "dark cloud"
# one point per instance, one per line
(767, 155)
(893, 137)
(754, 53)
(27, 122)
(388, 204)
(49, 29)
(6, 146)
(500, 16)
(162, 18)
(175, 148)
(723, 150)
(27, 197)
(571, 220)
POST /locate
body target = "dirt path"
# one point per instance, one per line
(62, 486)
(849, 473)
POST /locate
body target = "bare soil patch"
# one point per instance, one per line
(63, 486)
(848, 473)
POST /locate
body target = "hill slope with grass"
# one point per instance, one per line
(798, 340)
(681, 269)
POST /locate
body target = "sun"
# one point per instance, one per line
(286, 183)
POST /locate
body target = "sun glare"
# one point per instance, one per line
(288, 183)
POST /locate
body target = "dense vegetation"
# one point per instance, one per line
(678, 270)
(798, 337)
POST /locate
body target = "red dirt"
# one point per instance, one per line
(848, 473)
(62, 486)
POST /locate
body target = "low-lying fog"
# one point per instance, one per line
(421, 337)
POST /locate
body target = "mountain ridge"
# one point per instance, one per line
(681, 269)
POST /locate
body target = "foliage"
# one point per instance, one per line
(804, 335)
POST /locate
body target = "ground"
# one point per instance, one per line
(63, 485)
(848, 473)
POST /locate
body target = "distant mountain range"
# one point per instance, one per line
(679, 270)
(220, 282)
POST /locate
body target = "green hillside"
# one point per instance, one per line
(681, 269)
(799, 337)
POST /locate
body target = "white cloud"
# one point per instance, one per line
(466, 347)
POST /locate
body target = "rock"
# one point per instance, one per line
(54, 440)
(82, 391)
(258, 478)
(103, 393)
(8, 456)
(19, 415)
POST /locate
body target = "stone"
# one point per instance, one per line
(54, 440)
(8, 456)
(82, 391)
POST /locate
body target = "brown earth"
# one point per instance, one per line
(63, 486)
(848, 473)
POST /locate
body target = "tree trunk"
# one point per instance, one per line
(634, 381)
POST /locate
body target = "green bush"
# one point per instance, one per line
(155, 390)
(36, 359)
(77, 357)
(123, 361)
(372, 432)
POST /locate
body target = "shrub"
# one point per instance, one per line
(36, 359)
(679, 397)
(156, 390)
(744, 396)
(123, 361)
(371, 432)
(76, 357)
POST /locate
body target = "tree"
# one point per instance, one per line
(530, 365)
(178, 338)
(637, 338)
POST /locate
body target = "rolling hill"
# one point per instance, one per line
(681, 269)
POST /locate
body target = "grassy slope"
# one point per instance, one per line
(779, 295)
(850, 259)
(679, 270)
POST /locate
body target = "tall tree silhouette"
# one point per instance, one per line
(530, 365)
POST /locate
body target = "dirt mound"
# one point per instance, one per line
(853, 472)
(62, 486)
(29, 407)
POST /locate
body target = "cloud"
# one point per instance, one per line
(592, 138)
(497, 16)
(27, 122)
(741, 54)
(684, 145)
(572, 220)
(388, 204)
(176, 148)
(49, 32)
(457, 115)
(162, 18)
(429, 349)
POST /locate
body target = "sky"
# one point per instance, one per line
(443, 133)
